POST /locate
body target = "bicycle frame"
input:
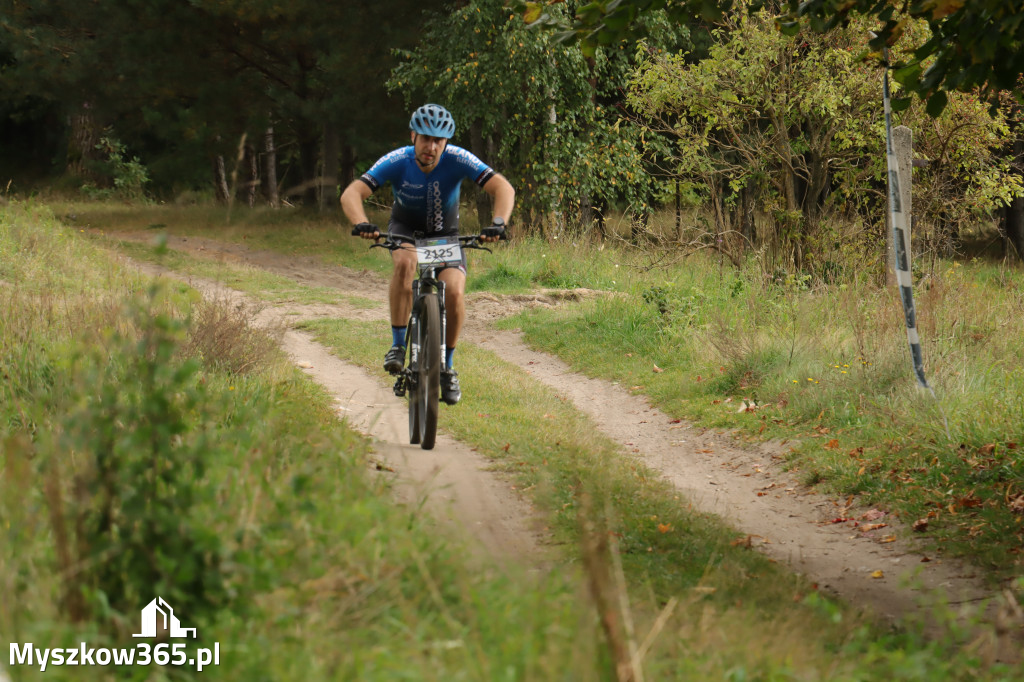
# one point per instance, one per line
(424, 284)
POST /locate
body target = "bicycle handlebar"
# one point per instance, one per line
(465, 241)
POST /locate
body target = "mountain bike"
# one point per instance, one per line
(421, 377)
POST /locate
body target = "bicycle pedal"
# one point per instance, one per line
(400, 387)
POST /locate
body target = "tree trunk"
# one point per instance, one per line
(477, 146)
(602, 226)
(747, 226)
(250, 176)
(554, 214)
(220, 180)
(309, 155)
(348, 165)
(270, 169)
(328, 189)
(1013, 223)
(1013, 215)
(85, 134)
(587, 215)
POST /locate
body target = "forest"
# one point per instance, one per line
(755, 140)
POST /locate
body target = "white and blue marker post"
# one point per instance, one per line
(900, 221)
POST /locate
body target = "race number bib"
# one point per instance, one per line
(439, 252)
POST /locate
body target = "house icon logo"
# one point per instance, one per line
(158, 611)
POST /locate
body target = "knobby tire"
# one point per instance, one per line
(429, 379)
(415, 385)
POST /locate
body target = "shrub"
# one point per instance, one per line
(125, 478)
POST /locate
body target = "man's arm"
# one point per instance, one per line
(352, 201)
(503, 194)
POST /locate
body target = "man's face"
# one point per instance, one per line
(428, 149)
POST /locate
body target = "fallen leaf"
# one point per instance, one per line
(925, 559)
(987, 449)
(664, 527)
(877, 574)
(832, 444)
(872, 515)
(873, 526)
(305, 364)
(1017, 505)
(889, 538)
(969, 502)
(507, 446)
(657, 369)
(920, 526)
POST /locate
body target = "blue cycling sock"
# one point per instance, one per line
(398, 336)
(448, 357)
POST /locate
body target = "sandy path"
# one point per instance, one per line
(746, 486)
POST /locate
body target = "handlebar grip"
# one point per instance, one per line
(364, 228)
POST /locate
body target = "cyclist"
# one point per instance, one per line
(425, 178)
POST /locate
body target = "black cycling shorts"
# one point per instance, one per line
(402, 233)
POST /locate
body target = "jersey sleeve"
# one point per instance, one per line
(387, 169)
(473, 168)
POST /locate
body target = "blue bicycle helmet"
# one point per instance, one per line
(433, 120)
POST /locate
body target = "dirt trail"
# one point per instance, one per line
(452, 482)
(747, 486)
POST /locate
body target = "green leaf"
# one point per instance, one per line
(900, 103)
(789, 28)
(907, 75)
(532, 13)
(618, 21)
(936, 103)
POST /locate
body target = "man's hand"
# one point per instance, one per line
(495, 232)
(366, 231)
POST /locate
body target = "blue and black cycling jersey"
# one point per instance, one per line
(426, 202)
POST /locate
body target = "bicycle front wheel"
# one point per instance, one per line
(429, 370)
(415, 385)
